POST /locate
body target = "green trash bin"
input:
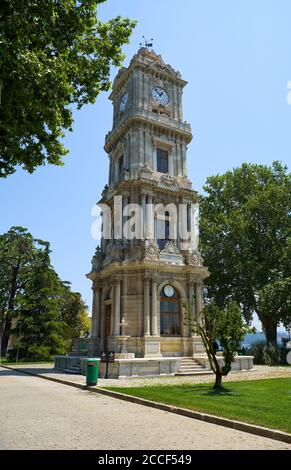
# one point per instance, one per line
(92, 371)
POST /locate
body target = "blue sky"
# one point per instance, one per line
(236, 57)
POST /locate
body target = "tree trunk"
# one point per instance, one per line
(270, 329)
(5, 336)
(9, 314)
(218, 379)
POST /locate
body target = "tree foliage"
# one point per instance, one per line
(245, 239)
(20, 255)
(53, 54)
(225, 325)
(36, 306)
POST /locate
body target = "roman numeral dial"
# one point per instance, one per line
(123, 103)
(160, 96)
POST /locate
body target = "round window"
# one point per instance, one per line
(169, 290)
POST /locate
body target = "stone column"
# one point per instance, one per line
(179, 159)
(95, 328)
(156, 226)
(143, 207)
(116, 170)
(93, 320)
(199, 299)
(178, 223)
(184, 157)
(150, 230)
(189, 217)
(154, 161)
(147, 330)
(117, 320)
(171, 162)
(154, 307)
(109, 172)
(191, 300)
(125, 202)
(123, 297)
(102, 320)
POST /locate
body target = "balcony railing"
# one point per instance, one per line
(142, 113)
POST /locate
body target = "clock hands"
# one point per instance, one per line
(160, 96)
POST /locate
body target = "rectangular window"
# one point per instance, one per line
(162, 161)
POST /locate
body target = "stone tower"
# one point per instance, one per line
(143, 281)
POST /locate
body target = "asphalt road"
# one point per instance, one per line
(38, 414)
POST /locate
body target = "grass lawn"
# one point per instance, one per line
(5, 361)
(262, 402)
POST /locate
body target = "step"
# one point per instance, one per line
(188, 360)
(73, 371)
(193, 364)
(190, 364)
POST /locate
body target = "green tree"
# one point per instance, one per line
(225, 325)
(40, 330)
(274, 304)
(245, 240)
(20, 255)
(36, 306)
(50, 317)
(74, 315)
(53, 54)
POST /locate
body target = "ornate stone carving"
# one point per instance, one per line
(145, 171)
(114, 253)
(171, 254)
(162, 67)
(168, 182)
(151, 250)
(170, 249)
(194, 258)
(97, 260)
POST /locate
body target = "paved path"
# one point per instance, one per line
(38, 414)
(258, 373)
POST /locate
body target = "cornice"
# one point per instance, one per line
(140, 115)
(152, 186)
(197, 273)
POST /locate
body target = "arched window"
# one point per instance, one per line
(169, 312)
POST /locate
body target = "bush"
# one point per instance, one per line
(267, 354)
(31, 354)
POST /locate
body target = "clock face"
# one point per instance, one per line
(160, 96)
(169, 290)
(123, 103)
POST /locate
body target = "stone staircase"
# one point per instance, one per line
(189, 366)
(74, 369)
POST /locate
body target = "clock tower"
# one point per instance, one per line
(143, 272)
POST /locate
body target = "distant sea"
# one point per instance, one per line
(250, 339)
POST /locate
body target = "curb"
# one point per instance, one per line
(229, 423)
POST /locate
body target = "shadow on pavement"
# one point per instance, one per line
(33, 371)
